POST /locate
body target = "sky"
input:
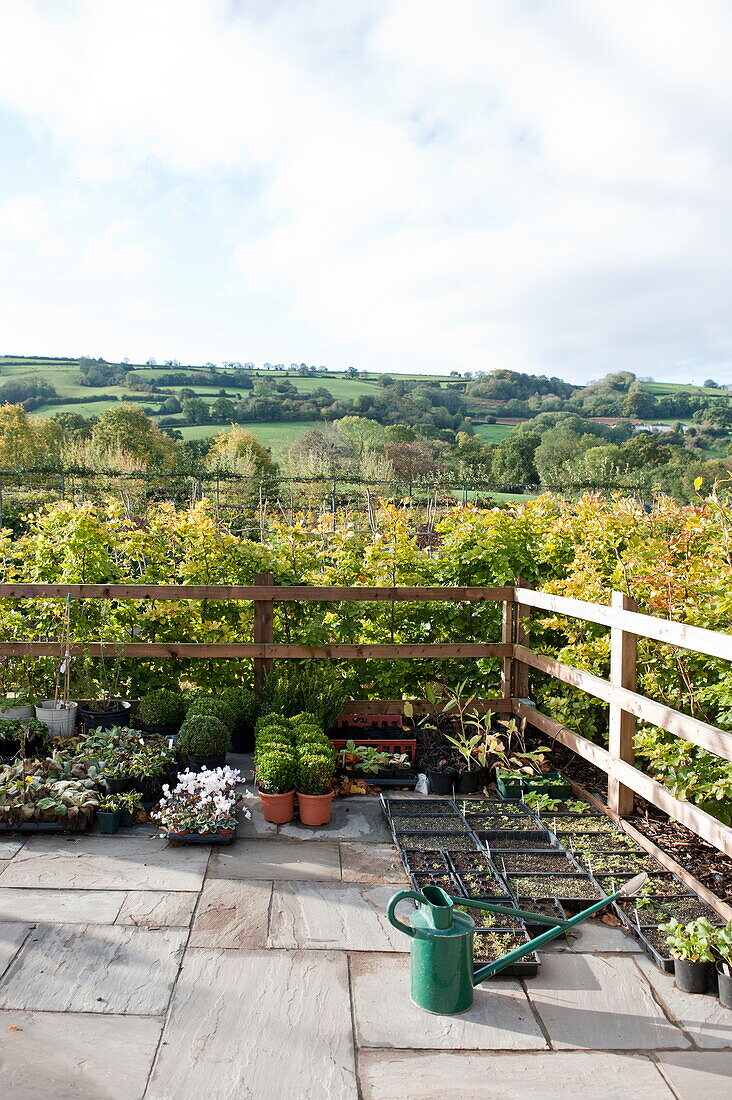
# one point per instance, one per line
(537, 185)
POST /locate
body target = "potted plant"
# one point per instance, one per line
(130, 804)
(108, 814)
(245, 707)
(213, 706)
(59, 713)
(162, 712)
(97, 682)
(692, 949)
(205, 740)
(17, 691)
(314, 794)
(276, 786)
(442, 777)
(722, 947)
(201, 808)
(28, 735)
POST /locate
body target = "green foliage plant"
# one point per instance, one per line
(693, 942)
(212, 706)
(162, 708)
(276, 772)
(314, 774)
(204, 735)
(722, 947)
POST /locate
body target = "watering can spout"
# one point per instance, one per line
(633, 885)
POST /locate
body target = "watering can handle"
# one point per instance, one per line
(392, 917)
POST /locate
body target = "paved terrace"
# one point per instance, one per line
(267, 970)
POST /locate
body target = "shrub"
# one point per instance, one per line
(244, 704)
(268, 747)
(162, 708)
(214, 707)
(305, 688)
(276, 772)
(204, 735)
(314, 773)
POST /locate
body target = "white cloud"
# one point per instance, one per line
(544, 186)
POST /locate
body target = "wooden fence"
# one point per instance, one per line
(626, 705)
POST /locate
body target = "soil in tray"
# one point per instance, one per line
(484, 921)
(410, 822)
(423, 879)
(425, 861)
(500, 822)
(470, 861)
(579, 824)
(577, 843)
(662, 909)
(549, 907)
(607, 863)
(491, 806)
(657, 884)
(418, 806)
(551, 886)
(533, 862)
(482, 885)
(489, 946)
(522, 844)
(439, 842)
(657, 940)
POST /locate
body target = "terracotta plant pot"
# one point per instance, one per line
(278, 808)
(315, 808)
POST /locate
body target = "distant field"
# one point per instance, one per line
(662, 388)
(493, 433)
(90, 408)
(275, 435)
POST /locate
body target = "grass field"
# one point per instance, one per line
(660, 389)
(493, 433)
(277, 436)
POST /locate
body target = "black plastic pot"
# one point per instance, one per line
(198, 763)
(119, 786)
(108, 821)
(93, 719)
(724, 988)
(691, 977)
(468, 782)
(441, 782)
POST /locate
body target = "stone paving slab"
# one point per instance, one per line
(597, 1002)
(106, 863)
(707, 1021)
(375, 863)
(10, 847)
(698, 1074)
(76, 1056)
(61, 906)
(350, 820)
(12, 938)
(343, 916)
(275, 859)
(157, 909)
(442, 1075)
(232, 914)
(94, 968)
(500, 1019)
(251, 1024)
(594, 936)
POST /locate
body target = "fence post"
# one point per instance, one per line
(507, 663)
(262, 632)
(521, 637)
(623, 652)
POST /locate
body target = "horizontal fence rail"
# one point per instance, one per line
(625, 625)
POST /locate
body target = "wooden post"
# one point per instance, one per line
(623, 650)
(520, 637)
(262, 632)
(507, 663)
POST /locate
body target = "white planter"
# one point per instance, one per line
(10, 713)
(61, 720)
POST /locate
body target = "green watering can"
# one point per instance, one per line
(443, 975)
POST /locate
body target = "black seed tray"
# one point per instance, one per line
(519, 844)
(411, 823)
(609, 884)
(589, 864)
(549, 906)
(674, 902)
(491, 886)
(420, 879)
(437, 841)
(418, 806)
(517, 883)
(528, 967)
(561, 860)
(412, 859)
(662, 962)
(505, 836)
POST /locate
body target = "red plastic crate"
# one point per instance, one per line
(382, 721)
(406, 745)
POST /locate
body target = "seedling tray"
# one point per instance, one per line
(419, 806)
(664, 883)
(484, 886)
(520, 863)
(636, 863)
(437, 841)
(528, 967)
(684, 908)
(570, 890)
(414, 860)
(550, 783)
(445, 879)
(663, 962)
(550, 907)
(442, 823)
(518, 844)
(505, 837)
